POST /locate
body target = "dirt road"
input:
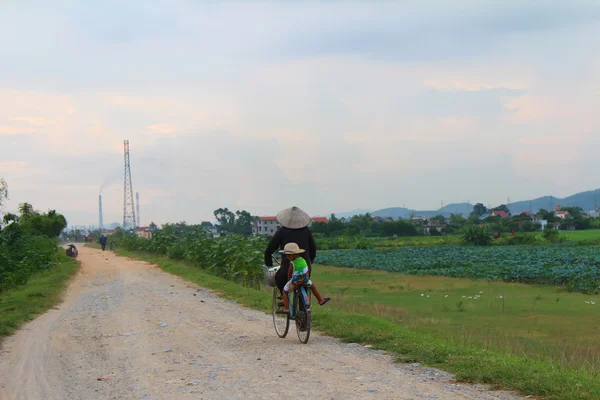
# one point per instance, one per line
(126, 330)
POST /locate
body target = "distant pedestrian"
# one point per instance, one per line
(103, 242)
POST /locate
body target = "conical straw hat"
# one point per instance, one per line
(293, 218)
(292, 248)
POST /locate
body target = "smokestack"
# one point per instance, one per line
(137, 206)
(100, 222)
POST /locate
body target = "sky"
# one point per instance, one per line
(330, 106)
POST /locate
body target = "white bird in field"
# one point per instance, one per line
(422, 294)
(593, 302)
(587, 302)
(446, 296)
(481, 292)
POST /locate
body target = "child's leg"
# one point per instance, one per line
(315, 291)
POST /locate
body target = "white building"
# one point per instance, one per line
(265, 226)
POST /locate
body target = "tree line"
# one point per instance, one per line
(28, 241)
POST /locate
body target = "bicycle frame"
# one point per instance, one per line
(301, 296)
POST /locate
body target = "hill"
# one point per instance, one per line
(588, 201)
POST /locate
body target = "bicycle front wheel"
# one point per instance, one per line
(281, 321)
(303, 315)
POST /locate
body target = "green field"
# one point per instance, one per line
(579, 236)
(532, 321)
(585, 237)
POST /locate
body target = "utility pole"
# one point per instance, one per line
(128, 203)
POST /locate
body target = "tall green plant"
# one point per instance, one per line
(477, 236)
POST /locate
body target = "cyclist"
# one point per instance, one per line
(294, 229)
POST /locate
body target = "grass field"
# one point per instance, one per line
(539, 345)
(579, 236)
(532, 321)
(42, 291)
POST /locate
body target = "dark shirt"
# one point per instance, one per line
(103, 240)
(302, 237)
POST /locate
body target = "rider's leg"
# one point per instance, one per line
(286, 302)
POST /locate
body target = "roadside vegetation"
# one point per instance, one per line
(33, 269)
(236, 258)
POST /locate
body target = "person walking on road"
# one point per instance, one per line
(103, 242)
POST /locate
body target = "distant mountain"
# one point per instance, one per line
(405, 213)
(349, 214)
(588, 201)
(457, 208)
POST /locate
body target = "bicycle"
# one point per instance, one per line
(299, 311)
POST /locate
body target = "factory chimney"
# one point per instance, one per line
(137, 205)
(101, 221)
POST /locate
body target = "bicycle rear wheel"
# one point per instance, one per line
(303, 314)
(281, 322)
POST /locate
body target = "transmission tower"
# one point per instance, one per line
(128, 204)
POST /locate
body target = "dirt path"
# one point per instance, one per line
(105, 342)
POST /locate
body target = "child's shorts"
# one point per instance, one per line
(289, 287)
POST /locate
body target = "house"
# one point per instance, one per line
(500, 213)
(143, 232)
(417, 220)
(562, 214)
(433, 225)
(320, 219)
(265, 226)
(108, 232)
(377, 219)
(388, 219)
(485, 216)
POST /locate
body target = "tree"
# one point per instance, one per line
(224, 216)
(439, 218)
(3, 192)
(546, 215)
(50, 224)
(479, 209)
(477, 236)
(550, 234)
(240, 222)
(10, 217)
(244, 222)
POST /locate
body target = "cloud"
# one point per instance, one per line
(16, 130)
(12, 166)
(161, 129)
(32, 121)
(336, 106)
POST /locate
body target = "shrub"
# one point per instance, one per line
(551, 234)
(477, 236)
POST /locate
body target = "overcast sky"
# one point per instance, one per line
(328, 106)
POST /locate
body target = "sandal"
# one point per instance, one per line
(325, 300)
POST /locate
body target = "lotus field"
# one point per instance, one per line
(571, 267)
